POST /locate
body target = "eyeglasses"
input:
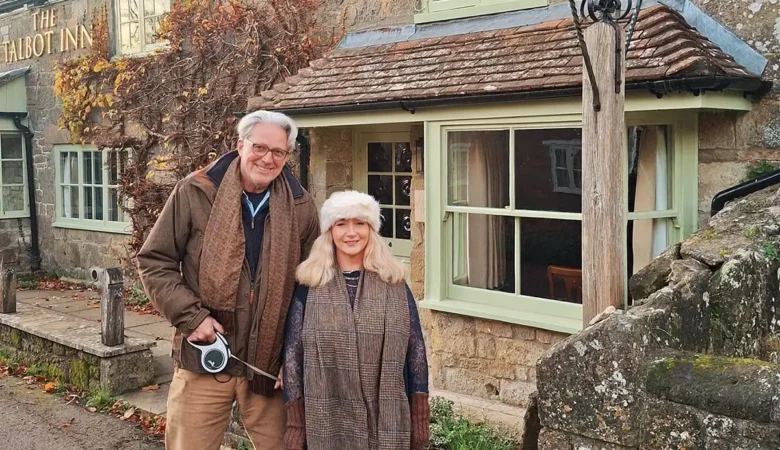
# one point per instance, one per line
(261, 150)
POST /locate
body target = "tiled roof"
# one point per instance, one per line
(530, 58)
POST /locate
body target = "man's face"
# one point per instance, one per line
(257, 172)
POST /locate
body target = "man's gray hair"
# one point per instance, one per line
(249, 121)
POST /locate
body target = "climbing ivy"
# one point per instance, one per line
(174, 110)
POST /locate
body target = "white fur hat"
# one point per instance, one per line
(350, 205)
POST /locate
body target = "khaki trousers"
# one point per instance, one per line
(199, 408)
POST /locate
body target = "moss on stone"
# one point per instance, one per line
(53, 372)
(79, 374)
(15, 338)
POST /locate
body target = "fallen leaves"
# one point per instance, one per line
(128, 414)
(91, 409)
(68, 423)
(151, 387)
(50, 386)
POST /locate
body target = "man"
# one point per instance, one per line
(222, 258)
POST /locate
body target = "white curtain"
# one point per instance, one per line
(487, 186)
(650, 236)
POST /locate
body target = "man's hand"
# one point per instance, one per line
(280, 380)
(205, 333)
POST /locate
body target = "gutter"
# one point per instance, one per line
(694, 85)
(743, 189)
(35, 251)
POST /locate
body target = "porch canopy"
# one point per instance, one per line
(13, 97)
(498, 65)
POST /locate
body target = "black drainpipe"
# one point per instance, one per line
(304, 158)
(743, 189)
(35, 251)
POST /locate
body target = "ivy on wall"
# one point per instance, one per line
(175, 109)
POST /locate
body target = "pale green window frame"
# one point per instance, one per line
(121, 226)
(440, 10)
(5, 184)
(147, 13)
(440, 291)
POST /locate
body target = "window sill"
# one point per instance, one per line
(15, 215)
(118, 228)
(481, 10)
(484, 311)
(160, 48)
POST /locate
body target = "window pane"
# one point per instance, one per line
(70, 202)
(387, 223)
(403, 190)
(162, 6)
(381, 188)
(403, 157)
(115, 213)
(150, 30)
(478, 168)
(11, 145)
(98, 203)
(69, 166)
(134, 40)
(483, 251)
(148, 8)
(403, 223)
(88, 203)
(551, 259)
(113, 168)
(97, 167)
(650, 169)
(547, 163)
(380, 157)
(646, 240)
(13, 198)
(13, 172)
(88, 168)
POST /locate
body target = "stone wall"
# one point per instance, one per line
(116, 374)
(330, 163)
(730, 142)
(68, 251)
(693, 365)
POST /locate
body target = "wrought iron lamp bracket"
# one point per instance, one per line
(610, 12)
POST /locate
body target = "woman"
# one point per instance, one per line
(355, 370)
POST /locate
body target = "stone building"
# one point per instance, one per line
(463, 118)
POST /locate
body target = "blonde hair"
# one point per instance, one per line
(321, 266)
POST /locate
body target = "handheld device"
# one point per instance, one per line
(214, 357)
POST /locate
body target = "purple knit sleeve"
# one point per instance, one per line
(416, 359)
(293, 346)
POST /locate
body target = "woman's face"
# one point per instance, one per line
(350, 236)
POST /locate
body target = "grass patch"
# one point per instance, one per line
(771, 251)
(33, 280)
(35, 370)
(759, 169)
(137, 297)
(100, 399)
(451, 432)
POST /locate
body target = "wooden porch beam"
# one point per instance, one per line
(603, 162)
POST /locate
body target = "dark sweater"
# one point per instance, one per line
(253, 227)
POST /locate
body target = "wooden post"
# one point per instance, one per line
(603, 163)
(112, 305)
(8, 290)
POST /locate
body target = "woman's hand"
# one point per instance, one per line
(280, 380)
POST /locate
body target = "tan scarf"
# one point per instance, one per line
(223, 256)
(354, 366)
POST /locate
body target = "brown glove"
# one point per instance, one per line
(421, 418)
(295, 436)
